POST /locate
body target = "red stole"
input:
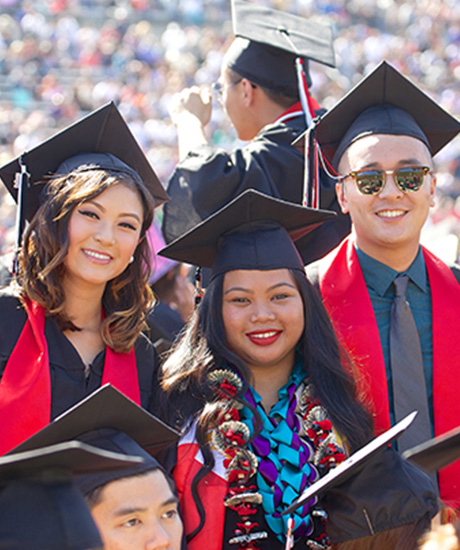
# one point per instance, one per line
(25, 387)
(347, 301)
(212, 491)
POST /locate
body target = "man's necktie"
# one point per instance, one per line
(409, 385)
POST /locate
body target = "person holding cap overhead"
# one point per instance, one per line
(264, 87)
(257, 381)
(73, 319)
(393, 303)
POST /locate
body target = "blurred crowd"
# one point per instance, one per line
(60, 59)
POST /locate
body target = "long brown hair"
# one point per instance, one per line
(126, 298)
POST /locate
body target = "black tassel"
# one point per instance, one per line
(22, 182)
(311, 168)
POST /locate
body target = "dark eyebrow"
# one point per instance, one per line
(242, 289)
(283, 284)
(122, 215)
(172, 500)
(399, 164)
(126, 511)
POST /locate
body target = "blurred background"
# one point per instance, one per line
(60, 59)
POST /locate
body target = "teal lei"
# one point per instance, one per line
(285, 461)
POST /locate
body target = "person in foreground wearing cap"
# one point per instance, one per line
(135, 506)
(73, 319)
(257, 381)
(259, 88)
(381, 139)
(40, 505)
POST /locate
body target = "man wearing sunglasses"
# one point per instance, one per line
(260, 92)
(379, 140)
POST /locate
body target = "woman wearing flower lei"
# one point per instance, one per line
(258, 383)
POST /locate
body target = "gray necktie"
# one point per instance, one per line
(409, 385)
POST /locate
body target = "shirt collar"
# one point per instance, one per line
(379, 276)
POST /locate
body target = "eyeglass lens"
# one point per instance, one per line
(370, 182)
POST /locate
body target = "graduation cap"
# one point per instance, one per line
(40, 506)
(253, 231)
(105, 408)
(100, 140)
(269, 42)
(373, 490)
(384, 102)
(107, 419)
(436, 453)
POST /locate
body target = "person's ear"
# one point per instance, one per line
(341, 197)
(249, 91)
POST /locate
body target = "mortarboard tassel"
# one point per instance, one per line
(21, 184)
(311, 177)
(311, 183)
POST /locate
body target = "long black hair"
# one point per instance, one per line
(203, 348)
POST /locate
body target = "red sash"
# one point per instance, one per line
(212, 491)
(25, 387)
(347, 301)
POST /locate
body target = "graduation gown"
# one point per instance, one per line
(69, 385)
(207, 179)
(347, 301)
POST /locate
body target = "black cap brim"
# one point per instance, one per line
(435, 454)
(105, 408)
(296, 35)
(200, 245)
(71, 457)
(102, 131)
(385, 85)
(353, 464)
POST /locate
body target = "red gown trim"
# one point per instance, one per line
(25, 387)
(347, 301)
(212, 491)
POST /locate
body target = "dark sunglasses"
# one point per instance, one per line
(371, 182)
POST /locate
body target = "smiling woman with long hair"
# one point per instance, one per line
(257, 382)
(73, 317)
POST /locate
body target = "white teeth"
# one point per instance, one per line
(97, 255)
(264, 334)
(390, 213)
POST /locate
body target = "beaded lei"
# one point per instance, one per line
(274, 468)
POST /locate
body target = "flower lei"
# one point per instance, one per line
(281, 474)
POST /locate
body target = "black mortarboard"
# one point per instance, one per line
(100, 140)
(40, 506)
(384, 102)
(108, 420)
(353, 464)
(105, 408)
(102, 131)
(253, 231)
(268, 42)
(436, 453)
(373, 490)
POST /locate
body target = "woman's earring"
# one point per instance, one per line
(131, 260)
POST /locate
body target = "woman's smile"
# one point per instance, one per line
(264, 338)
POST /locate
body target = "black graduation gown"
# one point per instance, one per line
(208, 179)
(69, 385)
